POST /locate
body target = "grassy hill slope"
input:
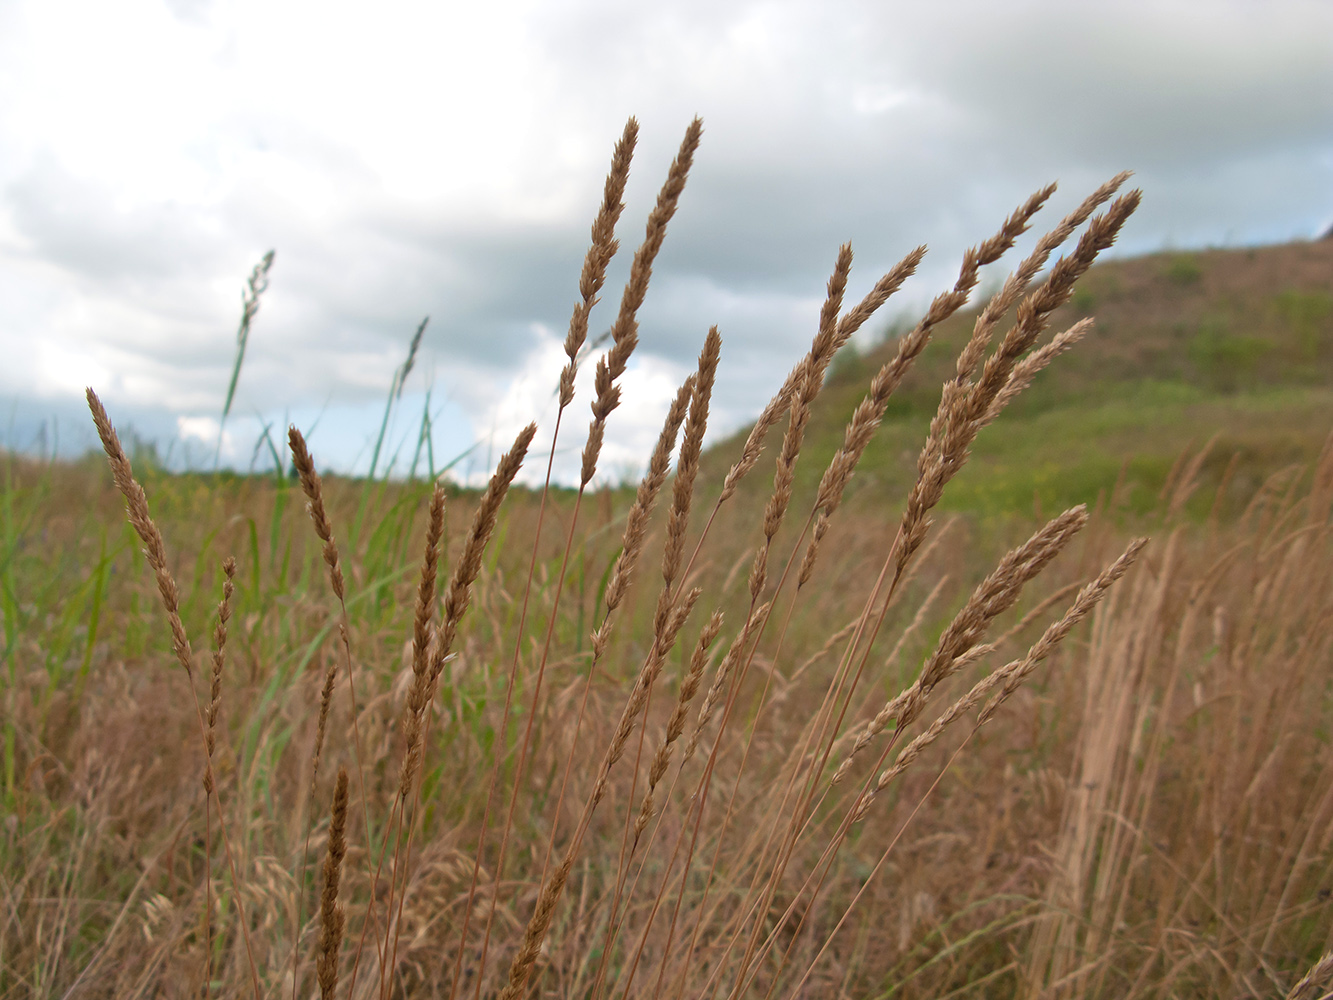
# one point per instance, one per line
(1235, 345)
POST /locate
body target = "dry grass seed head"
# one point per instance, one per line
(625, 330)
(1035, 310)
(870, 412)
(1017, 283)
(459, 595)
(314, 492)
(332, 916)
(992, 597)
(687, 468)
(600, 252)
(1312, 985)
(1009, 677)
(689, 687)
(636, 523)
(136, 507)
(417, 697)
(219, 659)
(1087, 600)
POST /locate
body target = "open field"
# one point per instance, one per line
(762, 727)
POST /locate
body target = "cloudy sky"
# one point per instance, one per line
(446, 158)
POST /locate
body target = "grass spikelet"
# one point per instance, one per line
(136, 510)
(1035, 310)
(1088, 598)
(459, 595)
(1312, 986)
(687, 468)
(636, 522)
(625, 330)
(314, 493)
(965, 407)
(600, 252)
(214, 707)
(219, 660)
(870, 412)
(808, 383)
(995, 595)
(1018, 282)
(1009, 677)
(689, 687)
(331, 913)
(313, 488)
(421, 639)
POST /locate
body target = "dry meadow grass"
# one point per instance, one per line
(702, 738)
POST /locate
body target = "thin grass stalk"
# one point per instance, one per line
(255, 286)
(779, 499)
(800, 752)
(994, 596)
(421, 649)
(457, 600)
(601, 250)
(396, 393)
(136, 509)
(624, 336)
(550, 895)
(313, 488)
(214, 706)
(1007, 679)
(943, 306)
(687, 469)
(636, 528)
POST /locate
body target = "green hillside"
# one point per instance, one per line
(1231, 345)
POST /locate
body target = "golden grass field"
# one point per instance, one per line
(770, 724)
